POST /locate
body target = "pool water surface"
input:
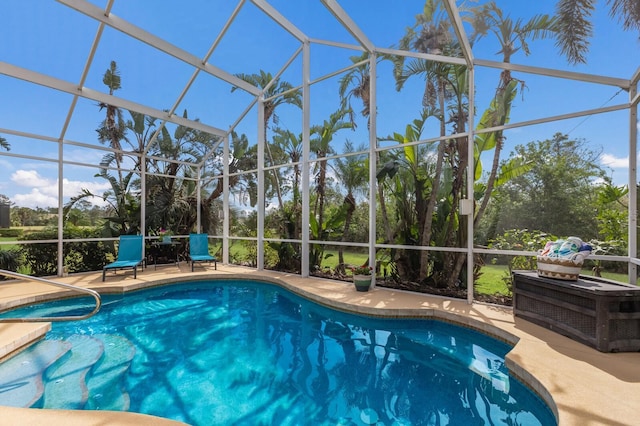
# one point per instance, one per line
(243, 352)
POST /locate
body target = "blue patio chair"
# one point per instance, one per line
(199, 250)
(129, 255)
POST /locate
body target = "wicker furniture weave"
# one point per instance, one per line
(600, 313)
(560, 269)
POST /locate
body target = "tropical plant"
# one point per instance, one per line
(290, 145)
(575, 26)
(275, 93)
(4, 144)
(9, 260)
(353, 173)
(112, 129)
(446, 89)
(355, 83)
(321, 138)
(123, 197)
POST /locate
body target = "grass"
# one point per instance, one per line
(350, 258)
(492, 280)
(8, 246)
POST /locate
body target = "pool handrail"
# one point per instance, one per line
(88, 291)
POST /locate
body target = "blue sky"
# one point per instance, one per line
(50, 38)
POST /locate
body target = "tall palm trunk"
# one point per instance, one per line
(322, 181)
(275, 179)
(388, 232)
(425, 237)
(350, 202)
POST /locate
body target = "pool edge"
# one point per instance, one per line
(579, 384)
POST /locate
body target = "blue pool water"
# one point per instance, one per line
(242, 352)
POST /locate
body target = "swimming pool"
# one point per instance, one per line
(243, 352)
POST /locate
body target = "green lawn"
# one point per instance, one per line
(491, 281)
(350, 258)
(8, 246)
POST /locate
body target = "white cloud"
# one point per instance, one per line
(43, 192)
(29, 178)
(34, 199)
(615, 162)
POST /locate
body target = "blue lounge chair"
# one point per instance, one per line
(129, 255)
(199, 250)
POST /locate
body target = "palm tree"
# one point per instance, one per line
(409, 176)
(432, 34)
(513, 37)
(575, 27)
(320, 144)
(124, 204)
(290, 145)
(242, 158)
(4, 144)
(446, 89)
(356, 84)
(353, 172)
(113, 128)
(271, 88)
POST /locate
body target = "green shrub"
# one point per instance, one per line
(11, 232)
(79, 256)
(611, 247)
(9, 261)
(518, 239)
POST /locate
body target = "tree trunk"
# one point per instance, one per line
(350, 202)
(425, 237)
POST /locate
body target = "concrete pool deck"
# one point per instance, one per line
(582, 385)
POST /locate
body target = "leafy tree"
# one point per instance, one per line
(612, 211)
(23, 216)
(558, 194)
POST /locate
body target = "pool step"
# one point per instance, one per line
(21, 377)
(65, 381)
(105, 383)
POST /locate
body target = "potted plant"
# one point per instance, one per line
(362, 277)
(165, 235)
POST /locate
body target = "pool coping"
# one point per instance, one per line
(581, 385)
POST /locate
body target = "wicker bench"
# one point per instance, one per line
(600, 313)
